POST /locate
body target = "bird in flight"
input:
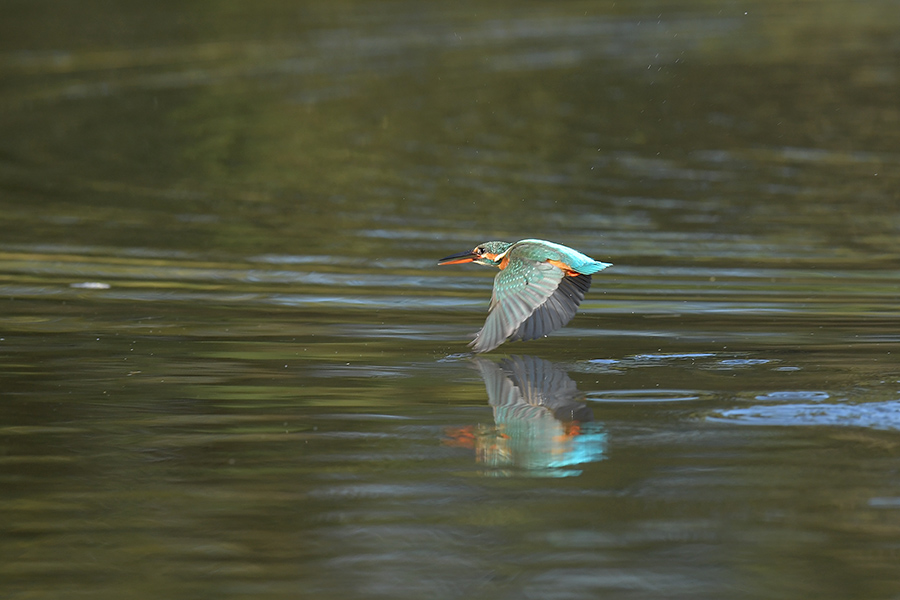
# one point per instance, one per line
(537, 291)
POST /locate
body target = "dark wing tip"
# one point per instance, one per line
(556, 312)
(525, 316)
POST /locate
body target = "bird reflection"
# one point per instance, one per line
(540, 427)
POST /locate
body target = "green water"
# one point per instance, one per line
(230, 366)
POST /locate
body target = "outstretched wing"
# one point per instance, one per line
(556, 311)
(531, 298)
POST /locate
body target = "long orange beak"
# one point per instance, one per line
(462, 257)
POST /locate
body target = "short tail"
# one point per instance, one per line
(595, 266)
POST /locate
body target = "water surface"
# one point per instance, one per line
(229, 365)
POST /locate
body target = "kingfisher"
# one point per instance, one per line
(537, 291)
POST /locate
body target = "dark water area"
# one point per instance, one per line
(231, 367)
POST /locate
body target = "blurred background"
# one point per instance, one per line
(230, 366)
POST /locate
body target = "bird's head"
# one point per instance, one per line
(488, 253)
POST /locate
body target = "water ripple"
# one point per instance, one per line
(646, 396)
(871, 415)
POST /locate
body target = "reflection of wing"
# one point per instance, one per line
(526, 387)
(539, 424)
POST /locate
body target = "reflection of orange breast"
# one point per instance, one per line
(565, 268)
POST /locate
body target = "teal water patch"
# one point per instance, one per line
(872, 415)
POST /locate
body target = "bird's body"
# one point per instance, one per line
(537, 291)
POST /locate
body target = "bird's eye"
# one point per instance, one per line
(479, 250)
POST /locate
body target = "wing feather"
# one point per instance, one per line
(531, 298)
(556, 311)
(518, 290)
